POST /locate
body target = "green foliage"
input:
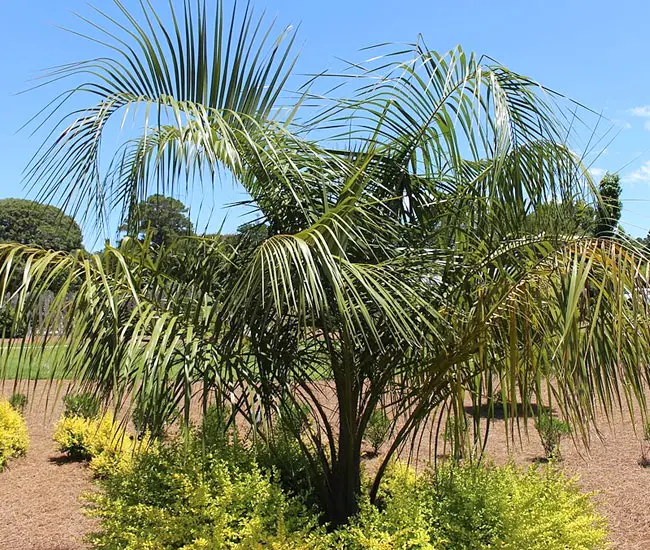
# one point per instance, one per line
(14, 440)
(455, 435)
(476, 508)
(215, 431)
(18, 401)
(278, 447)
(151, 416)
(83, 404)
(164, 218)
(550, 431)
(183, 497)
(609, 207)
(10, 325)
(569, 217)
(644, 243)
(489, 507)
(28, 222)
(379, 426)
(103, 441)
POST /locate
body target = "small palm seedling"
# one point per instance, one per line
(18, 401)
(84, 405)
(455, 435)
(377, 430)
(550, 431)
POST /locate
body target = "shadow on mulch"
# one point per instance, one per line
(498, 410)
(62, 460)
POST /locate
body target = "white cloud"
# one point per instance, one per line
(641, 175)
(597, 172)
(643, 111)
(621, 123)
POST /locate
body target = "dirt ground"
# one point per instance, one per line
(40, 507)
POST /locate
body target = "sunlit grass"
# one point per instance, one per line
(28, 362)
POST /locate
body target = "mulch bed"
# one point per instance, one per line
(40, 507)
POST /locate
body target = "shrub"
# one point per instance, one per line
(10, 326)
(181, 497)
(281, 454)
(152, 415)
(14, 439)
(84, 405)
(534, 509)
(377, 430)
(217, 434)
(296, 417)
(18, 401)
(399, 522)
(104, 442)
(477, 508)
(550, 431)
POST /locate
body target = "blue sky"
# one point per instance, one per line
(594, 51)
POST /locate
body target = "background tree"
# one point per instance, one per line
(164, 218)
(397, 268)
(608, 210)
(573, 217)
(32, 223)
(644, 242)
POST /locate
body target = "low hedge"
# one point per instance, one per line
(14, 440)
(178, 496)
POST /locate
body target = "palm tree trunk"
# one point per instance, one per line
(344, 483)
(344, 480)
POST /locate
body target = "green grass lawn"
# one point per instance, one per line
(30, 363)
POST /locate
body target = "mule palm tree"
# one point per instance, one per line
(398, 268)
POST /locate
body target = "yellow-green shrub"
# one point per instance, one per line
(476, 508)
(480, 507)
(183, 496)
(103, 441)
(14, 439)
(513, 509)
(180, 497)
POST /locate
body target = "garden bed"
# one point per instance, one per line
(41, 509)
(39, 505)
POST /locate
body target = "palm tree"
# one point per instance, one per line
(397, 269)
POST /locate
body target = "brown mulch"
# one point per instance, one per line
(40, 507)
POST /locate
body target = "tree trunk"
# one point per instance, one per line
(344, 482)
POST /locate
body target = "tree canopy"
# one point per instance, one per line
(609, 207)
(32, 223)
(164, 218)
(573, 217)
